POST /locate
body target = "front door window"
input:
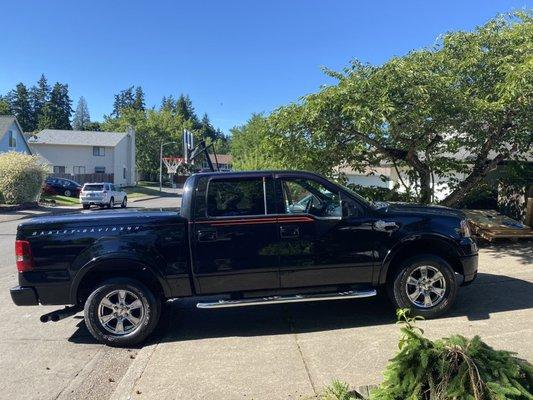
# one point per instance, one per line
(305, 196)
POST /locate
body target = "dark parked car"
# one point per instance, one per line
(242, 239)
(61, 186)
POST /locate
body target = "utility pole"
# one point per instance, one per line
(161, 168)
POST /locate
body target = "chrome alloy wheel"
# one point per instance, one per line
(121, 312)
(425, 286)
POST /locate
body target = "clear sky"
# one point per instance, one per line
(233, 57)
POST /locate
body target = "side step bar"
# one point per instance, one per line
(299, 298)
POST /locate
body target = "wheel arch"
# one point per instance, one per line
(97, 271)
(430, 244)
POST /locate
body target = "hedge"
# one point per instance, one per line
(21, 178)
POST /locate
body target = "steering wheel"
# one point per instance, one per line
(308, 205)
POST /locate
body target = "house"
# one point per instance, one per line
(11, 136)
(222, 162)
(83, 153)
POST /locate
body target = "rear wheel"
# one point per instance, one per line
(121, 312)
(86, 206)
(111, 203)
(425, 284)
(67, 193)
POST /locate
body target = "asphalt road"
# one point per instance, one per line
(54, 360)
(270, 352)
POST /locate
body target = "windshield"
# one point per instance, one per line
(93, 188)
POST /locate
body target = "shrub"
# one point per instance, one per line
(21, 178)
(454, 368)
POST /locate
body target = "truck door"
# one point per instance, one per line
(235, 236)
(319, 246)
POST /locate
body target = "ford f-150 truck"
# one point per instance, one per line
(241, 239)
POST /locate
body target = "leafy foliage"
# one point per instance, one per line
(337, 390)
(452, 368)
(471, 95)
(21, 177)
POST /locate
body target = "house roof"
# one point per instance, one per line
(222, 158)
(77, 138)
(5, 122)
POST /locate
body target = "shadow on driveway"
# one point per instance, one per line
(181, 320)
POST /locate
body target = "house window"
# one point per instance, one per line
(98, 151)
(12, 139)
(124, 173)
(78, 169)
(59, 169)
(99, 170)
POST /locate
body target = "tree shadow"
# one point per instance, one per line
(522, 250)
(182, 321)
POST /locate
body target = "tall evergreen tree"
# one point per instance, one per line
(20, 106)
(185, 109)
(130, 98)
(58, 109)
(138, 102)
(82, 119)
(206, 129)
(168, 103)
(39, 96)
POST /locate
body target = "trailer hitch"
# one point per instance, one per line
(57, 315)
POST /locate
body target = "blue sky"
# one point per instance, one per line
(232, 57)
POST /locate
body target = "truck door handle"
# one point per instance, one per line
(289, 231)
(207, 235)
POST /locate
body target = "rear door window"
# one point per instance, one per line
(235, 197)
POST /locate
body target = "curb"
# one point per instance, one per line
(124, 388)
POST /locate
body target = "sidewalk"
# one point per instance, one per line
(292, 351)
(36, 212)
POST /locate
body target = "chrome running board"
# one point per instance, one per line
(298, 298)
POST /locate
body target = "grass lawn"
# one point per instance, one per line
(142, 191)
(61, 200)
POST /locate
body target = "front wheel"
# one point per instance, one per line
(425, 284)
(86, 206)
(121, 312)
(111, 203)
(124, 202)
(67, 193)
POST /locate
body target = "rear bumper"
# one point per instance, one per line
(470, 265)
(24, 296)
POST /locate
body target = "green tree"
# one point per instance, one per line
(39, 96)
(20, 106)
(130, 98)
(472, 95)
(185, 110)
(138, 100)
(58, 110)
(4, 106)
(151, 129)
(81, 118)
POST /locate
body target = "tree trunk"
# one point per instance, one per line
(479, 172)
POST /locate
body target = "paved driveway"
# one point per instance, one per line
(269, 352)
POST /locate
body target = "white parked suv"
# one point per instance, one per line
(103, 195)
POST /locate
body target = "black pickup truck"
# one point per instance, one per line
(241, 239)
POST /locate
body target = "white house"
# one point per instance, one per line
(11, 136)
(87, 152)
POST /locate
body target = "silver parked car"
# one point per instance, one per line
(103, 195)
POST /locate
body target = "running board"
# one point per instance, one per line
(299, 298)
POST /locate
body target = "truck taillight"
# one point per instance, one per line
(23, 255)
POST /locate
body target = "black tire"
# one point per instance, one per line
(67, 193)
(150, 317)
(124, 202)
(397, 288)
(111, 203)
(86, 206)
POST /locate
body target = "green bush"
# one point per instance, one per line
(21, 178)
(454, 368)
